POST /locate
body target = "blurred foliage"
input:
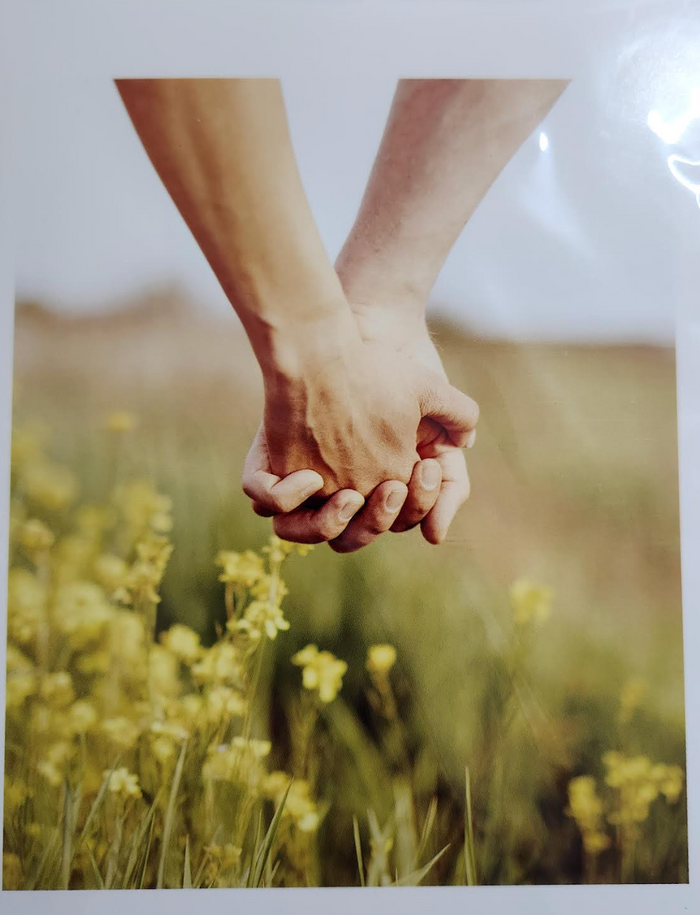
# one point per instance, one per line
(574, 510)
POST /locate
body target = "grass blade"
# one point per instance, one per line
(469, 850)
(256, 849)
(97, 803)
(69, 803)
(264, 853)
(405, 838)
(205, 857)
(428, 824)
(170, 816)
(187, 872)
(114, 849)
(41, 866)
(417, 876)
(358, 850)
(137, 843)
(147, 852)
(95, 868)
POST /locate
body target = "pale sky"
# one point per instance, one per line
(580, 240)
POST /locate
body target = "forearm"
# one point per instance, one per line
(223, 151)
(445, 143)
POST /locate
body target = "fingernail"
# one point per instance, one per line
(348, 509)
(395, 500)
(430, 476)
(471, 438)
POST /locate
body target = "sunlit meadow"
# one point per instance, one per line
(177, 716)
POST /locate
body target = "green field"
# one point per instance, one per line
(574, 488)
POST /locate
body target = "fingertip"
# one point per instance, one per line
(348, 503)
(432, 534)
(262, 510)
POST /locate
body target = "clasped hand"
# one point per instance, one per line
(358, 438)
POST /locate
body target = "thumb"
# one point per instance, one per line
(456, 413)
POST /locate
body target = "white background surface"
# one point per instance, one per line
(650, 48)
(579, 241)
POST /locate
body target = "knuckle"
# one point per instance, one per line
(329, 529)
(249, 489)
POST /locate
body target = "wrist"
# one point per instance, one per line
(375, 279)
(292, 355)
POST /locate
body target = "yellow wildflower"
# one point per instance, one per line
(240, 568)
(121, 731)
(26, 603)
(300, 807)
(53, 767)
(186, 711)
(222, 701)
(35, 537)
(380, 658)
(20, 686)
(586, 808)
(163, 748)
(275, 784)
(146, 572)
(225, 856)
(81, 611)
(638, 783)
(278, 549)
(669, 780)
(183, 642)
(259, 748)
(73, 557)
(163, 672)
(92, 520)
(260, 616)
(57, 689)
(123, 783)
(531, 603)
(127, 634)
(16, 661)
(49, 485)
(110, 571)
(219, 663)
(93, 663)
(82, 716)
(168, 735)
(16, 793)
(322, 671)
(170, 729)
(143, 508)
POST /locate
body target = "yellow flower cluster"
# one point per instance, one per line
(123, 783)
(586, 807)
(240, 568)
(380, 659)
(638, 782)
(531, 603)
(322, 671)
(299, 806)
(95, 701)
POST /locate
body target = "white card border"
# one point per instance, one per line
(49, 39)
